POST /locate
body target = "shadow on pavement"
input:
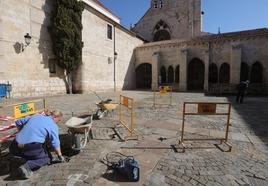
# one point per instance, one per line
(254, 113)
(114, 176)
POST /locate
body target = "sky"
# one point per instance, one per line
(228, 15)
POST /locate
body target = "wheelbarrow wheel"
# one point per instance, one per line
(77, 142)
(80, 141)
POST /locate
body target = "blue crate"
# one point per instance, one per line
(3, 90)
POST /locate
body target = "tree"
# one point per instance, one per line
(66, 34)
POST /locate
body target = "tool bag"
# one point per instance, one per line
(129, 168)
(126, 166)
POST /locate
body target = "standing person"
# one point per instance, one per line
(242, 87)
(34, 131)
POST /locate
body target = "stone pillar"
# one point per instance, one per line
(155, 70)
(183, 69)
(206, 63)
(235, 64)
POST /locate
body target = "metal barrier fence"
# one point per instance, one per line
(206, 108)
(128, 103)
(163, 91)
(19, 110)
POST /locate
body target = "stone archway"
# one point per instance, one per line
(244, 73)
(170, 74)
(256, 75)
(144, 76)
(213, 73)
(224, 76)
(163, 75)
(196, 75)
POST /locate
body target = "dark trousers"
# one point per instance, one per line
(35, 154)
(240, 96)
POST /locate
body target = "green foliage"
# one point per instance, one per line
(66, 33)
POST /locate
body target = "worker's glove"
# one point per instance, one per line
(61, 159)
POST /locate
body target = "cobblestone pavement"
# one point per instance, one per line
(161, 161)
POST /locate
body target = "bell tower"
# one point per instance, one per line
(170, 19)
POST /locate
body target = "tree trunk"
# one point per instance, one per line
(70, 82)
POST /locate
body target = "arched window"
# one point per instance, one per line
(225, 73)
(155, 3)
(161, 31)
(163, 75)
(170, 74)
(144, 76)
(161, 35)
(244, 72)
(213, 73)
(177, 74)
(161, 4)
(196, 74)
(256, 75)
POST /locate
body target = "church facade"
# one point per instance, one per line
(179, 54)
(165, 47)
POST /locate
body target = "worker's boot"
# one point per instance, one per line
(25, 171)
(15, 163)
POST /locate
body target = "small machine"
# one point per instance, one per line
(129, 168)
(125, 166)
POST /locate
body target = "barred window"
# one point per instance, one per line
(109, 32)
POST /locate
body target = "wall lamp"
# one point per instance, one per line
(115, 55)
(28, 39)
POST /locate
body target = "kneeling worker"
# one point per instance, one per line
(29, 143)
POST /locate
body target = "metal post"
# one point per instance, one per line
(154, 98)
(44, 104)
(228, 123)
(132, 117)
(120, 109)
(114, 62)
(170, 89)
(182, 127)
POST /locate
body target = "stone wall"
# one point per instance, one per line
(27, 70)
(232, 52)
(97, 70)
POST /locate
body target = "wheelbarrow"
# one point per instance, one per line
(104, 107)
(79, 128)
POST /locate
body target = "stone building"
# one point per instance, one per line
(32, 70)
(166, 46)
(178, 53)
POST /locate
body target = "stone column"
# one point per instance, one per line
(206, 63)
(155, 70)
(235, 64)
(183, 69)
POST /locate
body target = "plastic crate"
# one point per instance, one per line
(3, 90)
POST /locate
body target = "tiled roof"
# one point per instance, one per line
(233, 35)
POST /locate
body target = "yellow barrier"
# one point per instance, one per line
(163, 90)
(27, 108)
(206, 108)
(19, 110)
(127, 103)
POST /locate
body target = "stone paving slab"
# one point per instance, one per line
(201, 164)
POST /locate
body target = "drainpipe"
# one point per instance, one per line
(114, 61)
